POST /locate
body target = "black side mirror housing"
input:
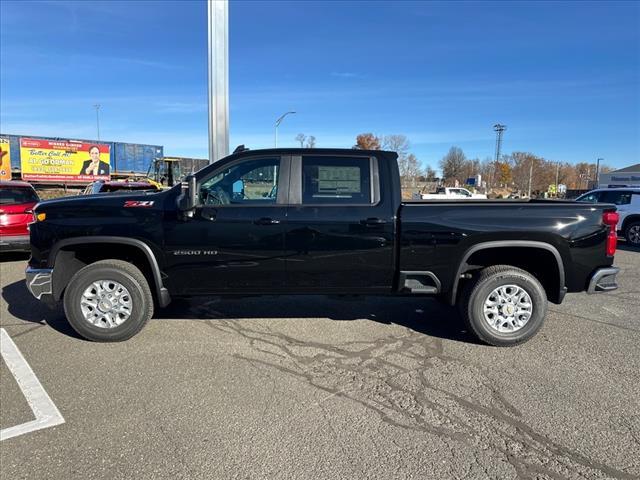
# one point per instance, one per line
(188, 199)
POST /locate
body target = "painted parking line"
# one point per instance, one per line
(46, 413)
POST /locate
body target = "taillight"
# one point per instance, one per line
(611, 219)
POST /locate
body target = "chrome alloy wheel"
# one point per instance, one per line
(634, 235)
(106, 304)
(508, 308)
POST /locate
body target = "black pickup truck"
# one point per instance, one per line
(314, 221)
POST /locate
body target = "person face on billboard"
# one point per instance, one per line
(94, 166)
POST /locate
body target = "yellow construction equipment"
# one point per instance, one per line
(164, 172)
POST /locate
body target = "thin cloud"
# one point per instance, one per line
(345, 75)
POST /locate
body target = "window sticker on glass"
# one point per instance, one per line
(339, 180)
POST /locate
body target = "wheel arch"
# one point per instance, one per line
(68, 266)
(555, 290)
(634, 217)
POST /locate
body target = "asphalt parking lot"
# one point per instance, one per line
(311, 387)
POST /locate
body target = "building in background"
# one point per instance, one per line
(625, 177)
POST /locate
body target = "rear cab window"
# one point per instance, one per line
(17, 195)
(329, 180)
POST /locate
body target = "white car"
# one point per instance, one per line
(628, 202)
(447, 193)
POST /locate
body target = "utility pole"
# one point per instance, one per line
(530, 175)
(499, 129)
(97, 107)
(598, 172)
(557, 177)
(278, 122)
(218, 75)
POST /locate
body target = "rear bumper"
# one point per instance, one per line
(14, 243)
(40, 283)
(603, 280)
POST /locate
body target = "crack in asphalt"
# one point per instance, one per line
(609, 324)
(400, 378)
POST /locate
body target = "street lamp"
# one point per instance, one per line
(598, 172)
(278, 122)
(97, 107)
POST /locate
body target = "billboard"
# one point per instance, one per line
(5, 159)
(64, 160)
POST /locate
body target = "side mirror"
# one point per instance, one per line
(188, 199)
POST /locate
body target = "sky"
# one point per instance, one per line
(563, 76)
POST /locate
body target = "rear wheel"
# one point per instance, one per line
(504, 305)
(632, 234)
(108, 301)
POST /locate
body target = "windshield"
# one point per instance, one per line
(17, 195)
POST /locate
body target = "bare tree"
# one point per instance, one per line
(453, 164)
(429, 174)
(396, 143)
(410, 170)
(301, 137)
(311, 141)
(367, 141)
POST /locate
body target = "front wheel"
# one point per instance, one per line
(504, 305)
(108, 301)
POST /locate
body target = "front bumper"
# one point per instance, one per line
(40, 283)
(603, 280)
(15, 243)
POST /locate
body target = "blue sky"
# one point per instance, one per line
(564, 77)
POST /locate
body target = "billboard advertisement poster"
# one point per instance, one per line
(5, 159)
(64, 161)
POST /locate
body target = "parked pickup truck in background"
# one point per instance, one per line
(321, 221)
(451, 193)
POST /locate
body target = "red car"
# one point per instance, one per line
(17, 200)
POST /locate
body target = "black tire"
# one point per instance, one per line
(127, 275)
(631, 231)
(471, 304)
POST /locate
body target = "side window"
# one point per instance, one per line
(336, 180)
(589, 198)
(616, 197)
(252, 182)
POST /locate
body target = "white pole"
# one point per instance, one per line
(278, 122)
(218, 66)
(97, 107)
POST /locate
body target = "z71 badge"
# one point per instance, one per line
(138, 203)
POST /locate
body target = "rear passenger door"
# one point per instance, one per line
(340, 230)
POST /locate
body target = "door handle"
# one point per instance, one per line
(209, 215)
(266, 221)
(373, 221)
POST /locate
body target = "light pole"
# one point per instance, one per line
(97, 107)
(598, 172)
(278, 122)
(218, 78)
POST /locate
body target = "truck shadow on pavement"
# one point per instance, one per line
(423, 315)
(24, 307)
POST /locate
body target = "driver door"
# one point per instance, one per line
(235, 240)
